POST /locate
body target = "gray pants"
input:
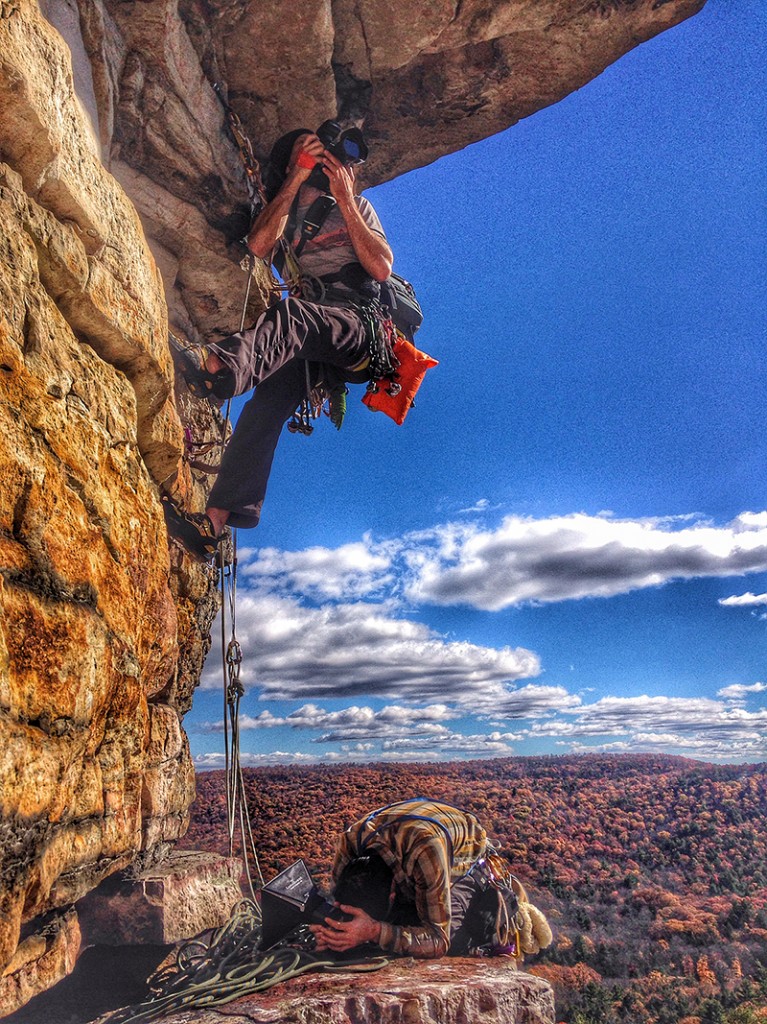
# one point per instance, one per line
(271, 357)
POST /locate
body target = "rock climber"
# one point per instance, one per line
(333, 326)
(420, 878)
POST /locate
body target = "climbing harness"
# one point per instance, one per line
(230, 965)
(389, 310)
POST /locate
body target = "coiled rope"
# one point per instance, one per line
(230, 965)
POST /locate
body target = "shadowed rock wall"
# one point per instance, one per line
(423, 79)
(104, 629)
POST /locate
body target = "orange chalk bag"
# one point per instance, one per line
(395, 395)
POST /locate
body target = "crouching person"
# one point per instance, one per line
(420, 878)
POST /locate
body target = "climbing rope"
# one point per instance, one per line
(231, 965)
(237, 812)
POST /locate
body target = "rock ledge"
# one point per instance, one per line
(453, 991)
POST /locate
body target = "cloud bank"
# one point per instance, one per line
(696, 727)
(563, 558)
(341, 624)
(344, 650)
(521, 561)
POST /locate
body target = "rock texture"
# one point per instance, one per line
(104, 626)
(95, 770)
(185, 895)
(43, 957)
(410, 992)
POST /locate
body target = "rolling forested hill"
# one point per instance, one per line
(652, 870)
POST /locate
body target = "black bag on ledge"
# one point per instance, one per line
(290, 899)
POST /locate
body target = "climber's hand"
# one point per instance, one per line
(341, 178)
(306, 153)
(342, 935)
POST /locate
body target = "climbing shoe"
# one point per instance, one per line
(193, 529)
(190, 363)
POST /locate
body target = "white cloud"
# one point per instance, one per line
(698, 726)
(752, 748)
(694, 726)
(575, 556)
(739, 691)
(213, 762)
(746, 600)
(330, 623)
(346, 650)
(353, 722)
(530, 701)
(523, 560)
(456, 744)
(619, 715)
(482, 505)
(348, 572)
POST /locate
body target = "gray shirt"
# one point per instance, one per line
(331, 248)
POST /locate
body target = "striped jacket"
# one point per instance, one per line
(427, 845)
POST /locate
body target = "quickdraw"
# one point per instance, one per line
(252, 167)
(320, 398)
(381, 336)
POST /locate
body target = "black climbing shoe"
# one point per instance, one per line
(193, 529)
(190, 363)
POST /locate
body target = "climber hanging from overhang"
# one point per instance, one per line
(346, 320)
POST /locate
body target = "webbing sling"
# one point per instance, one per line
(314, 218)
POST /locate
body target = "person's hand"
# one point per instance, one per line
(306, 153)
(342, 935)
(341, 178)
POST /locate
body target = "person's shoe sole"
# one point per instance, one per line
(192, 529)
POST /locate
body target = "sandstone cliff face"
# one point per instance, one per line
(107, 138)
(94, 766)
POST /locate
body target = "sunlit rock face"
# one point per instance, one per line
(95, 770)
(122, 203)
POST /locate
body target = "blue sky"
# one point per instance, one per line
(564, 548)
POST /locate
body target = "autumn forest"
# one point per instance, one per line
(652, 870)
